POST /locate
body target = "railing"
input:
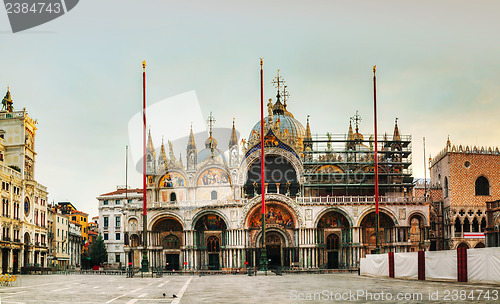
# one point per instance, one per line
(9, 115)
(10, 171)
(298, 200)
(358, 199)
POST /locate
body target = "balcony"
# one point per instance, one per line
(17, 241)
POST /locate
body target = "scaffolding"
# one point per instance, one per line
(336, 165)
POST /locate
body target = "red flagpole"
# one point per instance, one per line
(262, 161)
(376, 157)
(263, 256)
(144, 201)
(144, 263)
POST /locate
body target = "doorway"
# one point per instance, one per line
(333, 259)
(171, 261)
(332, 248)
(213, 261)
(273, 246)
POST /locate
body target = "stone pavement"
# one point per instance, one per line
(289, 288)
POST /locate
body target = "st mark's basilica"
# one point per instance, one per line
(320, 204)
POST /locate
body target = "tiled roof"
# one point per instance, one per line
(122, 191)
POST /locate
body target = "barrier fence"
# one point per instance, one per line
(480, 265)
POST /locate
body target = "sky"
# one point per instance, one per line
(80, 75)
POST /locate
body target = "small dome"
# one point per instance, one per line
(206, 154)
(211, 143)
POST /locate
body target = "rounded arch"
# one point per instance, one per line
(256, 201)
(135, 240)
(482, 186)
(172, 178)
(333, 209)
(381, 210)
(204, 213)
(167, 224)
(222, 176)
(292, 158)
(463, 245)
(171, 241)
(332, 242)
(420, 214)
(276, 213)
(288, 242)
(27, 238)
(159, 216)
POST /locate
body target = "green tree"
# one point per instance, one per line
(98, 252)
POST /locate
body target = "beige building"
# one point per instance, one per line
(24, 201)
(59, 242)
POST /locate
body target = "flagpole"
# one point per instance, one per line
(263, 256)
(377, 246)
(144, 263)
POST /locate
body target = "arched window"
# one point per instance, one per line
(482, 186)
(213, 244)
(173, 197)
(213, 195)
(171, 242)
(332, 242)
(445, 186)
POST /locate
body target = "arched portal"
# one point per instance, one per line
(167, 236)
(280, 226)
(368, 225)
(333, 229)
(26, 249)
(210, 230)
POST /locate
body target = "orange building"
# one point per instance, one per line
(467, 178)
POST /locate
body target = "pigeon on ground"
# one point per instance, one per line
(163, 294)
(174, 296)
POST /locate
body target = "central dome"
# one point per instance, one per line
(287, 128)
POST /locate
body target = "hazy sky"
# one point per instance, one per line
(438, 71)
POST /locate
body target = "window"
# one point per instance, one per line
(129, 201)
(173, 197)
(118, 221)
(117, 202)
(105, 202)
(117, 258)
(106, 221)
(445, 186)
(73, 218)
(482, 186)
(117, 236)
(213, 195)
(105, 235)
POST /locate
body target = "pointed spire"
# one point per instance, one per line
(350, 134)
(308, 130)
(396, 136)
(234, 139)
(180, 161)
(171, 152)
(191, 143)
(448, 142)
(150, 147)
(163, 155)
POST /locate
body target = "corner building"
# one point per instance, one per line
(320, 205)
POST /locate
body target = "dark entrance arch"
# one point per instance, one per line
(333, 229)
(332, 249)
(210, 231)
(274, 247)
(167, 234)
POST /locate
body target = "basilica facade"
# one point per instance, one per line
(319, 209)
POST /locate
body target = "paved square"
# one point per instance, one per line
(305, 288)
